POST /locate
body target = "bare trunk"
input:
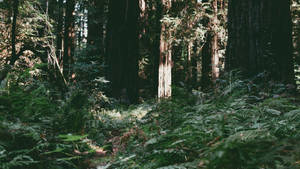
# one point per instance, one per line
(214, 45)
(206, 61)
(69, 38)
(81, 28)
(165, 62)
(59, 39)
(190, 64)
(13, 32)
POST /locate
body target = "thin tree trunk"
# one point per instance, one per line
(189, 74)
(80, 31)
(69, 38)
(214, 45)
(190, 77)
(155, 12)
(59, 38)
(165, 62)
(206, 61)
(13, 32)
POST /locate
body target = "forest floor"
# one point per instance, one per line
(240, 124)
(234, 129)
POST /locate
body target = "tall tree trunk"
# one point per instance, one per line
(155, 11)
(210, 55)
(122, 47)
(13, 32)
(190, 63)
(59, 38)
(80, 27)
(214, 45)
(69, 38)
(206, 61)
(189, 73)
(95, 27)
(260, 38)
(165, 61)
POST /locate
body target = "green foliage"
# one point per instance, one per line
(241, 124)
(33, 127)
(236, 129)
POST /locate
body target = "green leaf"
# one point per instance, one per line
(57, 150)
(71, 138)
(273, 111)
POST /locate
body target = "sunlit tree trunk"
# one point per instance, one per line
(69, 38)
(190, 66)
(214, 45)
(260, 38)
(80, 31)
(165, 61)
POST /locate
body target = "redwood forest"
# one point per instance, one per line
(149, 84)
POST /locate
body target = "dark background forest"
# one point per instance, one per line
(149, 84)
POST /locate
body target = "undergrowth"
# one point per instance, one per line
(40, 129)
(240, 124)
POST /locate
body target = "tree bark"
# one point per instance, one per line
(80, 25)
(122, 48)
(214, 45)
(260, 38)
(165, 61)
(95, 27)
(13, 32)
(206, 61)
(210, 54)
(60, 33)
(155, 11)
(69, 38)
